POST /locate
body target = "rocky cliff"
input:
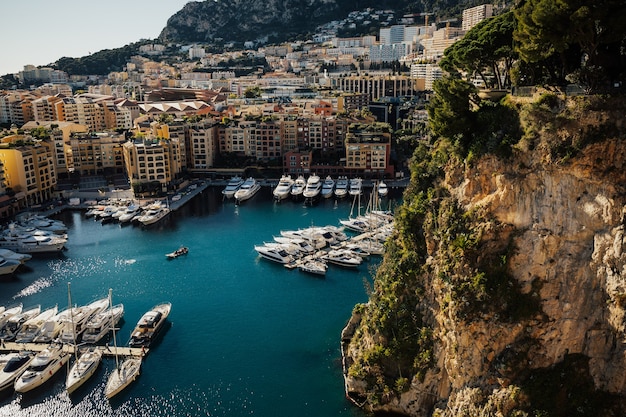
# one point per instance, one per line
(506, 285)
(275, 20)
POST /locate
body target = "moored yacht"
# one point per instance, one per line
(355, 186)
(316, 267)
(313, 187)
(283, 188)
(328, 187)
(8, 266)
(122, 376)
(13, 365)
(233, 185)
(298, 187)
(21, 257)
(343, 258)
(31, 327)
(14, 323)
(274, 253)
(341, 187)
(101, 324)
(382, 189)
(149, 326)
(43, 366)
(8, 313)
(247, 190)
(83, 368)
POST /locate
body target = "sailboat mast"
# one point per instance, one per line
(69, 300)
(117, 361)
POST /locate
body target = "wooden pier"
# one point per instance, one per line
(106, 350)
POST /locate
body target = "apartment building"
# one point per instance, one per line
(428, 72)
(148, 160)
(368, 147)
(475, 15)
(28, 169)
(375, 86)
(96, 153)
(44, 108)
(82, 110)
(203, 144)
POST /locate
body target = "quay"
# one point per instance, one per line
(106, 350)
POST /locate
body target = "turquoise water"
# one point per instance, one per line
(245, 336)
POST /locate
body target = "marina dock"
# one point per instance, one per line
(38, 347)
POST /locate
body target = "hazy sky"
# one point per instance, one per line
(39, 32)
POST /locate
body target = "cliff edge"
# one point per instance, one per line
(503, 291)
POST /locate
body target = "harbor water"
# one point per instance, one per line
(245, 336)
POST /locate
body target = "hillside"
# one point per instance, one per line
(503, 291)
(238, 21)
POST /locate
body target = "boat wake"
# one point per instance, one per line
(122, 262)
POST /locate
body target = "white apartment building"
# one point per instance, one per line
(475, 15)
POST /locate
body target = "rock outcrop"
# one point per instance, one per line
(559, 224)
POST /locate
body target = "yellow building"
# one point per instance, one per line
(150, 161)
(28, 169)
(368, 147)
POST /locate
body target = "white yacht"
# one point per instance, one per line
(75, 321)
(43, 366)
(37, 221)
(7, 313)
(128, 213)
(8, 266)
(153, 216)
(122, 376)
(343, 258)
(298, 187)
(13, 365)
(316, 267)
(15, 323)
(283, 188)
(247, 190)
(83, 368)
(149, 326)
(51, 328)
(32, 242)
(341, 187)
(382, 189)
(9, 254)
(31, 327)
(328, 187)
(233, 185)
(313, 187)
(101, 324)
(355, 186)
(274, 253)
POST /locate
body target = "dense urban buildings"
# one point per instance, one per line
(329, 105)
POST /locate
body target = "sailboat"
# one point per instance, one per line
(124, 373)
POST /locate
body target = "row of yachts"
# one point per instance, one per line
(129, 213)
(60, 333)
(33, 234)
(313, 249)
(309, 188)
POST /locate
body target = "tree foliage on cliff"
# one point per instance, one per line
(572, 40)
(486, 50)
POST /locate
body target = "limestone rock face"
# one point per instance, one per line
(251, 20)
(566, 225)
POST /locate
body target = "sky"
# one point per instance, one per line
(38, 32)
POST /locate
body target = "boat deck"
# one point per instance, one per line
(38, 347)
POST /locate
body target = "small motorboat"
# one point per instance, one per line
(316, 267)
(183, 250)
